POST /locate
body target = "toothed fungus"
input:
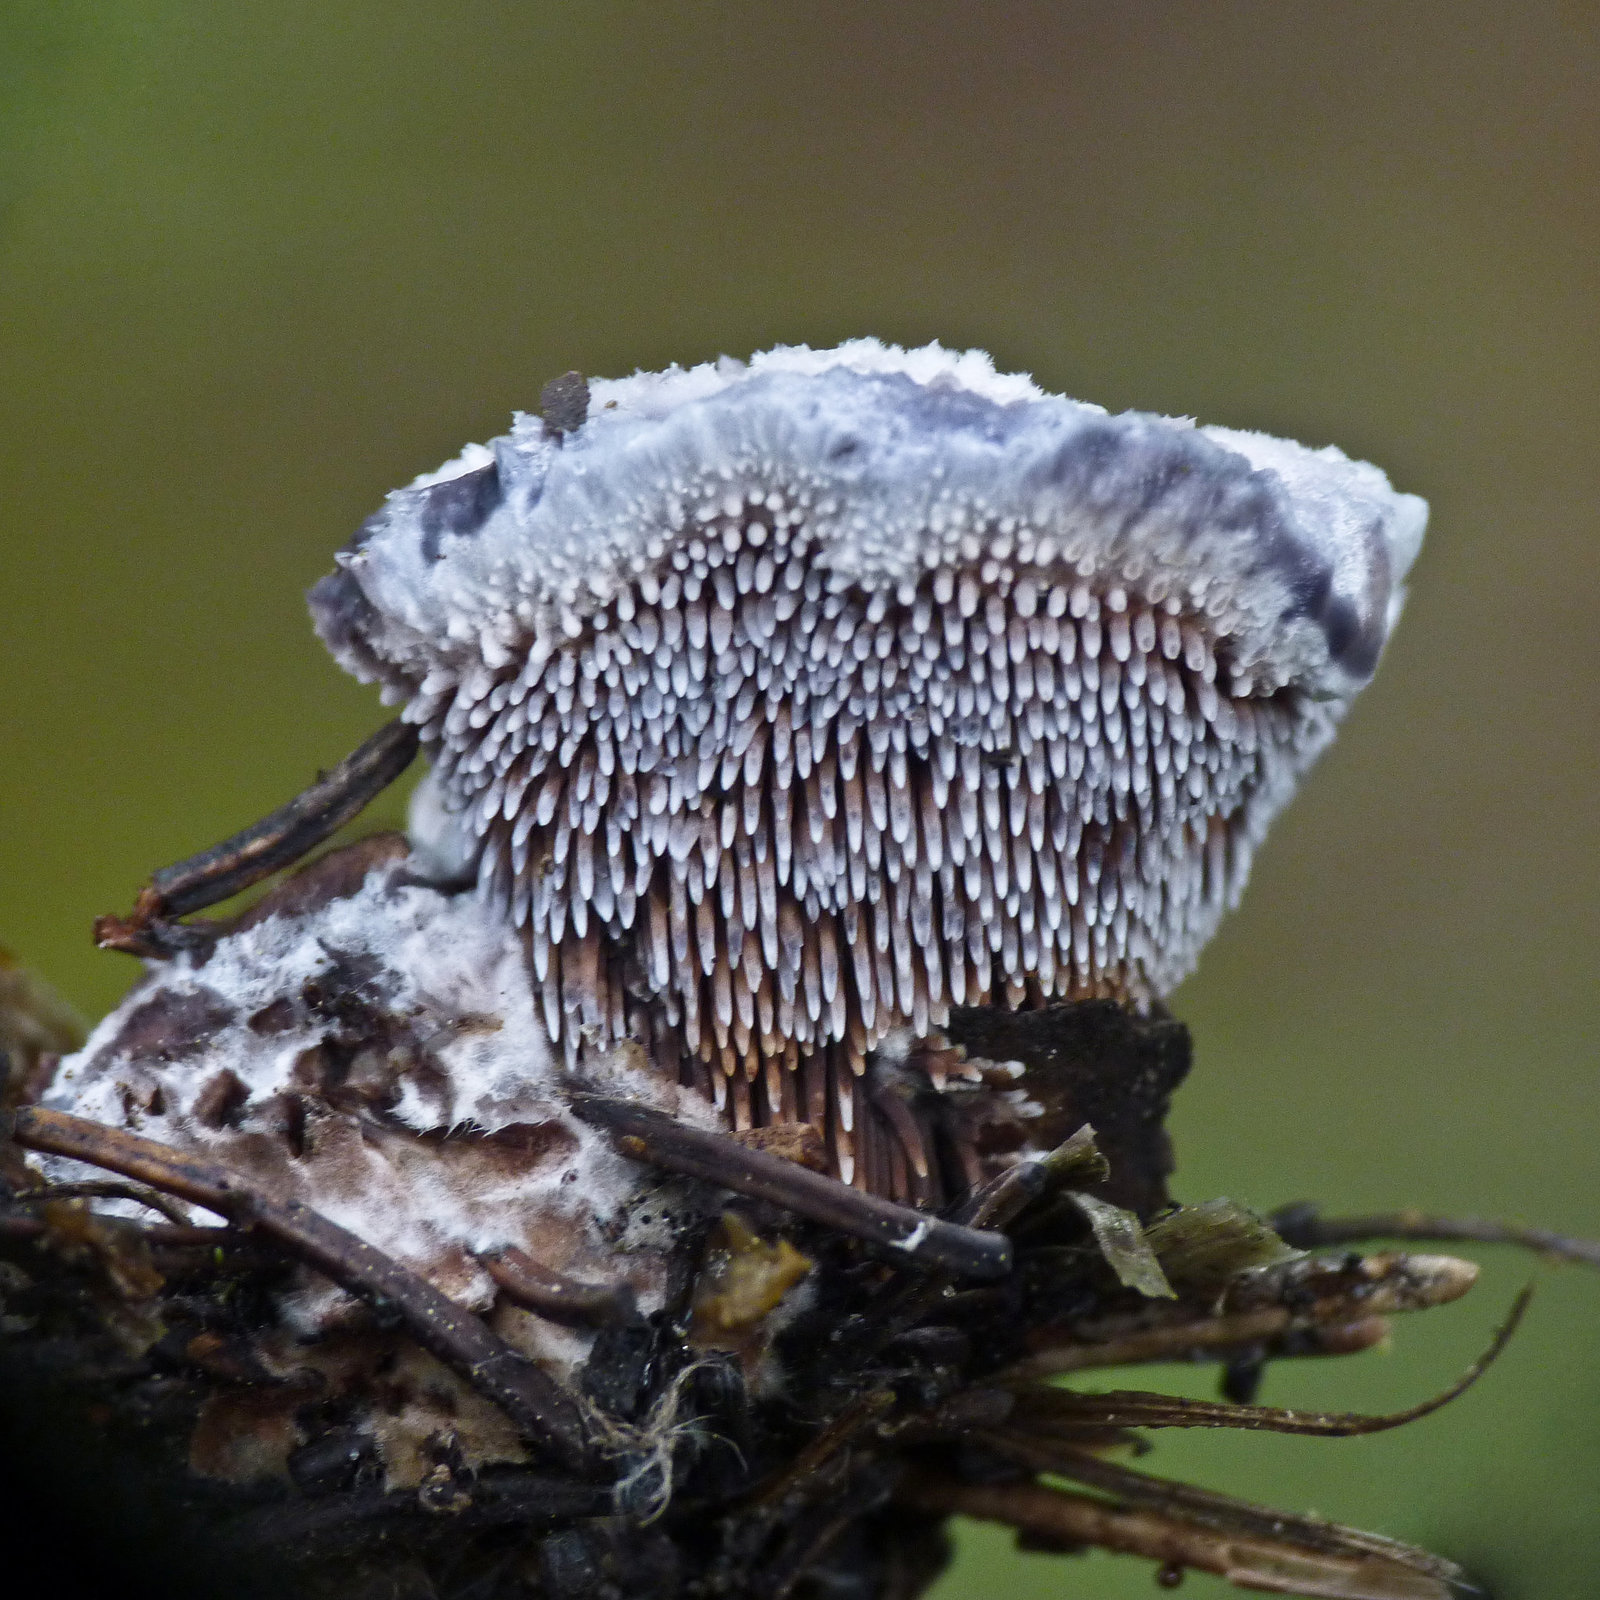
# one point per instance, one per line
(806, 727)
(791, 703)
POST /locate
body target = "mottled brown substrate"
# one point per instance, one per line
(795, 1417)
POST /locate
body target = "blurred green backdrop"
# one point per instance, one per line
(260, 263)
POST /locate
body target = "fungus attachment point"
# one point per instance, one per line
(791, 706)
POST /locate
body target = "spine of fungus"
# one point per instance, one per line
(783, 886)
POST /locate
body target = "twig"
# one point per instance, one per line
(995, 1206)
(1276, 1566)
(1304, 1226)
(1220, 1512)
(158, 1235)
(1375, 1284)
(779, 1580)
(819, 1451)
(909, 1235)
(1005, 1197)
(1178, 1341)
(1333, 1307)
(458, 1338)
(92, 1190)
(1136, 1408)
(276, 841)
(555, 1296)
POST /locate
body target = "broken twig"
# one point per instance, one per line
(663, 1141)
(1135, 1408)
(1303, 1306)
(277, 841)
(1304, 1226)
(1220, 1512)
(553, 1295)
(1074, 1520)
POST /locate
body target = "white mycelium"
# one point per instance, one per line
(786, 703)
(378, 1057)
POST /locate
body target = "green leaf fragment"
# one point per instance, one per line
(1202, 1247)
(1122, 1241)
(1077, 1161)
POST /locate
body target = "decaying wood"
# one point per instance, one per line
(458, 1338)
(909, 1390)
(1224, 1513)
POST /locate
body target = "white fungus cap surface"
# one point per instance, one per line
(783, 703)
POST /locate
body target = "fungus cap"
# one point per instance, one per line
(791, 702)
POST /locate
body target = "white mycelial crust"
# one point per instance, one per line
(431, 994)
(788, 702)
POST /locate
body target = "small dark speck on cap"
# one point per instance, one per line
(564, 402)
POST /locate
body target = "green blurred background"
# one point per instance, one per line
(261, 263)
